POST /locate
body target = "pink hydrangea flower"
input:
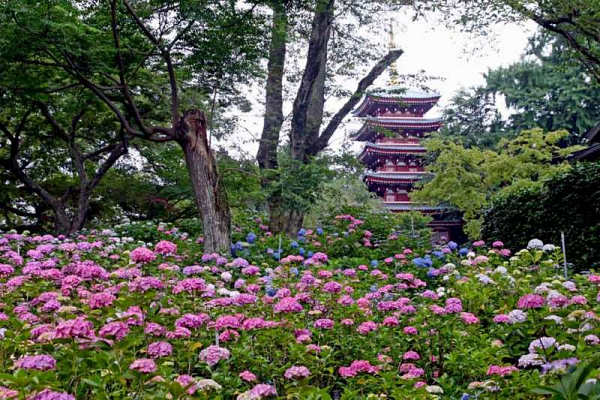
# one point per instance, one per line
(165, 247)
(142, 255)
(41, 362)
(144, 365)
(324, 323)
(296, 372)
(247, 376)
(531, 301)
(213, 354)
(159, 349)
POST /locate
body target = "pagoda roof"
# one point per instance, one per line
(395, 94)
(399, 91)
(389, 149)
(366, 132)
(389, 177)
(408, 206)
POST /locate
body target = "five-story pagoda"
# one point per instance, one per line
(394, 126)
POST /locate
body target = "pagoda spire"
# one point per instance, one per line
(392, 46)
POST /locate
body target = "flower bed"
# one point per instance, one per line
(101, 316)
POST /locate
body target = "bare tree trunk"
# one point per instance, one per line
(207, 183)
(273, 117)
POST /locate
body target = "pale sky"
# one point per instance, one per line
(459, 58)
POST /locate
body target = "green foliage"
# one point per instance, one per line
(472, 119)
(297, 185)
(468, 178)
(567, 202)
(547, 90)
(579, 384)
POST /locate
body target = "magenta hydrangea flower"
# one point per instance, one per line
(144, 365)
(116, 329)
(41, 362)
(48, 394)
(324, 323)
(75, 328)
(165, 247)
(288, 305)
(531, 301)
(213, 354)
(142, 255)
(501, 370)
(262, 390)
(159, 349)
(247, 376)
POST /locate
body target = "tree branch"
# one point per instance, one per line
(363, 85)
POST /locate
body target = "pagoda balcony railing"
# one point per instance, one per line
(399, 141)
(396, 168)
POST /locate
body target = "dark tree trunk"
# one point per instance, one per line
(207, 183)
(284, 220)
(308, 105)
(273, 117)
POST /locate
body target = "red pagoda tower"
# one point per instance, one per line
(394, 125)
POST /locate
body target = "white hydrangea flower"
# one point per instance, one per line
(226, 276)
(500, 270)
(548, 247)
(554, 318)
(529, 360)
(535, 244)
(566, 347)
(517, 316)
(434, 389)
(486, 280)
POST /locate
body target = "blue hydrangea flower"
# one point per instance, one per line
(271, 291)
(294, 271)
(302, 232)
(374, 288)
(464, 251)
(294, 244)
(438, 254)
(319, 231)
(452, 246)
(251, 237)
(374, 263)
(310, 254)
(301, 251)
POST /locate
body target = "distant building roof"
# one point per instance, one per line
(403, 92)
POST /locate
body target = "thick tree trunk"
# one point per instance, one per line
(310, 92)
(284, 220)
(209, 192)
(273, 117)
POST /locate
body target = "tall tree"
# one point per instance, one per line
(129, 55)
(74, 139)
(308, 135)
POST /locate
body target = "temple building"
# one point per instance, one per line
(394, 124)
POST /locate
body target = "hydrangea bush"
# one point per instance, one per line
(103, 315)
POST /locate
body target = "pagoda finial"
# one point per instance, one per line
(392, 46)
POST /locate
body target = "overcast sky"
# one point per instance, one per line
(459, 58)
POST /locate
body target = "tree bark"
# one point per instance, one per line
(207, 183)
(310, 92)
(273, 117)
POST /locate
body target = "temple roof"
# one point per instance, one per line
(389, 149)
(383, 177)
(369, 128)
(396, 95)
(407, 206)
(398, 91)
